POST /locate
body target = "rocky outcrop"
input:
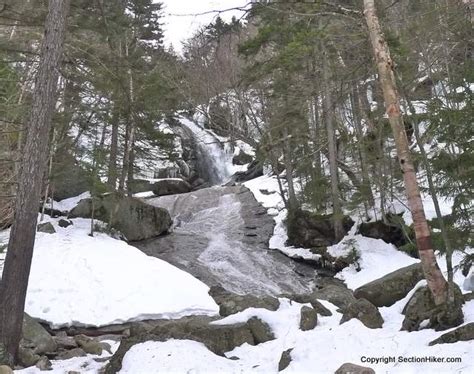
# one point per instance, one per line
(309, 230)
(254, 170)
(392, 287)
(421, 307)
(217, 338)
(139, 185)
(242, 158)
(463, 333)
(308, 318)
(349, 368)
(365, 312)
(36, 337)
(170, 186)
(231, 303)
(389, 232)
(135, 219)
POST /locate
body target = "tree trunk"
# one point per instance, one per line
(332, 152)
(433, 274)
(112, 171)
(16, 271)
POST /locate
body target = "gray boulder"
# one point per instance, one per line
(44, 364)
(26, 357)
(421, 307)
(463, 333)
(231, 303)
(260, 330)
(308, 319)
(36, 337)
(75, 352)
(242, 158)
(46, 227)
(285, 359)
(64, 223)
(132, 217)
(349, 368)
(170, 187)
(4, 369)
(311, 299)
(365, 312)
(392, 287)
(337, 294)
(390, 232)
(89, 345)
(64, 341)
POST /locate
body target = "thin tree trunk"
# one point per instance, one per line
(332, 152)
(112, 172)
(16, 271)
(433, 274)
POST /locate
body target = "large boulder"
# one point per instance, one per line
(463, 333)
(336, 294)
(46, 227)
(421, 307)
(364, 311)
(35, 337)
(309, 230)
(135, 219)
(390, 231)
(260, 330)
(217, 338)
(392, 287)
(231, 303)
(254, 170)
(170, 186)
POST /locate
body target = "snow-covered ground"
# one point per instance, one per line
(95, 281)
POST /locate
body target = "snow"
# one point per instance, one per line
(68, 204)
(95, 281)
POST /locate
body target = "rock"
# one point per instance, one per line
(217, 338)
(254, 170)
(75, 352)
(44, 364)
(170, 187)
(4, 369)
(336, 294)
(64, 223)
(308, 230)
(388, 232)
(285, 359)
(364, 311)
(349, 368)
(89, 345)
(468, 297)
(242, 158)
(308, 319)
(27, 358)
(231, 303)
(421, 307)
(36, 337)
(132, 217)
(46, 227)
(140, 185)
(260, 330)
(463, 333)
(392, 287)
(310, 299)
(64, 341)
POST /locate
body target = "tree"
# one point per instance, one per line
(433, 274)
(16, 271)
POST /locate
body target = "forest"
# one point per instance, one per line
(290, 189)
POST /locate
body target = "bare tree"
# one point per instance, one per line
(16, 271)
(433, 274)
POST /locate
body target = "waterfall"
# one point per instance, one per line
(214, 159)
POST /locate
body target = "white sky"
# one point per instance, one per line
(178, 28)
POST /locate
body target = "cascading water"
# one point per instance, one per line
(214, 159)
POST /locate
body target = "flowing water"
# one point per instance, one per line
(220, 234)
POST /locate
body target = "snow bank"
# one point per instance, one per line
(68, 204)
(95, 281)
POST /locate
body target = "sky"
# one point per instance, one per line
(178, 28)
